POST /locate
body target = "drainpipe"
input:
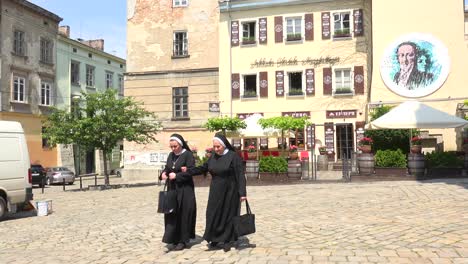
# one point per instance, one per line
(230, 53)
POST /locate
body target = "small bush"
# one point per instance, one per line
(390, 158)
(443, 160)
(273, 165)
(200, 161)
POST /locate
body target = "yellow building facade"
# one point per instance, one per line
(439, 51)
(300, 58)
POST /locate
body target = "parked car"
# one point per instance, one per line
(38, 174)
(58, 174)
(15, 171)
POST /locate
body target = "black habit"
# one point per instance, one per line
(227, 186)
(180, 225)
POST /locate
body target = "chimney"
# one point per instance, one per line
(64, 31)
(95, 43)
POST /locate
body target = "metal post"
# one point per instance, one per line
(43, 183)
(63, 184)
(81, 182)
(95, 179)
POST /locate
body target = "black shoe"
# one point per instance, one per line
(179, 246)
(213, 246)
(227, 247)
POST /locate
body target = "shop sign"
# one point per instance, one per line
(341, 113)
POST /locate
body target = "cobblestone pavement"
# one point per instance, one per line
(379, 222)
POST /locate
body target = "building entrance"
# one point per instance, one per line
(344, 140)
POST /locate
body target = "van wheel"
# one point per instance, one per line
(3, 208)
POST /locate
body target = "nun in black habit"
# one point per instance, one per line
(180, 224)
(227, 191)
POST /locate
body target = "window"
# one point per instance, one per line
(295, 83)
(180, 44)
(180, 102)
(75, 73)
(248, 32)
(250, 141)
(46, 50)
(250, 86)
(19, 89)
(293, 28)
(18, 43)
(121, 84)
(176, 3)
(90, 75)
(343, 81)
(109, 79)
(46, 96)
(341, 24)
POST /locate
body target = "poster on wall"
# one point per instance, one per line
(415, 65)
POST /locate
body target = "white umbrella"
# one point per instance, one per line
(413, 114)
(254, 130)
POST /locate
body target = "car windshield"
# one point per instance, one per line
(36, 166)
(60, 169)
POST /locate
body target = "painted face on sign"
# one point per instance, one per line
(406, 56)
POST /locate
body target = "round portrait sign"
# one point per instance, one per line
(415, 65)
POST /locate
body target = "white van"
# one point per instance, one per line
(15, 173)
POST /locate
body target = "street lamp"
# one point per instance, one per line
(75, 110)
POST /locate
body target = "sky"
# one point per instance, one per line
(93, 19)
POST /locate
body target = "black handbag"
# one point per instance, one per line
(244, 224)
(167, 202)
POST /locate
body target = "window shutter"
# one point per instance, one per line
(279, 83)
(326, 25)
(235, 86)
(327, 81)
(310, 82)
(359, 79)
(235, 33)
(263, 84)
(309, 26)
(262, 30)
(358, 23)
(278, 29)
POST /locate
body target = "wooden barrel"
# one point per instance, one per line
(366, 163)
(251, 169)
(294, 169)
(322, 163)
(416, 164)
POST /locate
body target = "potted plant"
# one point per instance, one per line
(365, 144)
(416, 145)
(273, 168)
(322, 150)
(293, 36)
(444, 164)
(251, 152)
(293, 152)
(208, 152)
(390, 163)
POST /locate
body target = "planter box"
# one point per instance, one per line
(444, 172)
(385, 171)
(274, 177)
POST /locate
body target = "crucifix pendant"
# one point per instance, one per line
(173, 167)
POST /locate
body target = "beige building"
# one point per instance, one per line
(27, 71)
(172, 67)
(298, 58)
(436, 51)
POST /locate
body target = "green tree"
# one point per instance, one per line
(101, 120)
(224, 124)
(284, 123)
(392, 139)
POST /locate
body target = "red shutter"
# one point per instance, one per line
(235, 86)
(358, 23)
(309, 26)
(262, 35)
(278, 29)
(234, 33)
(358, 79)
(326, 25)
(263, 84)
(279, 83)
(310, 82)
(330, 140)
(327, 81)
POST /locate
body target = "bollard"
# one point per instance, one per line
(43, 183)
(95, 180)
(63, 184)
(81, 182)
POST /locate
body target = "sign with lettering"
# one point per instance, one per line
(263, 142)
(213, 107)
(235, 33)
(294, 61)
(262, 30)
(326, 25)
(279, 83)
(296, 114)
(330, 140)
(310, 81)
(341, 113)
(310, 136)
(236, 143)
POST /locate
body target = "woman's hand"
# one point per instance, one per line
(183, 169)
(172, 176)
(163, 176)
(243, 198)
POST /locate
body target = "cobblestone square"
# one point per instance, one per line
(368, 222)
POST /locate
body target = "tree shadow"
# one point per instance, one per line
(20, 215)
